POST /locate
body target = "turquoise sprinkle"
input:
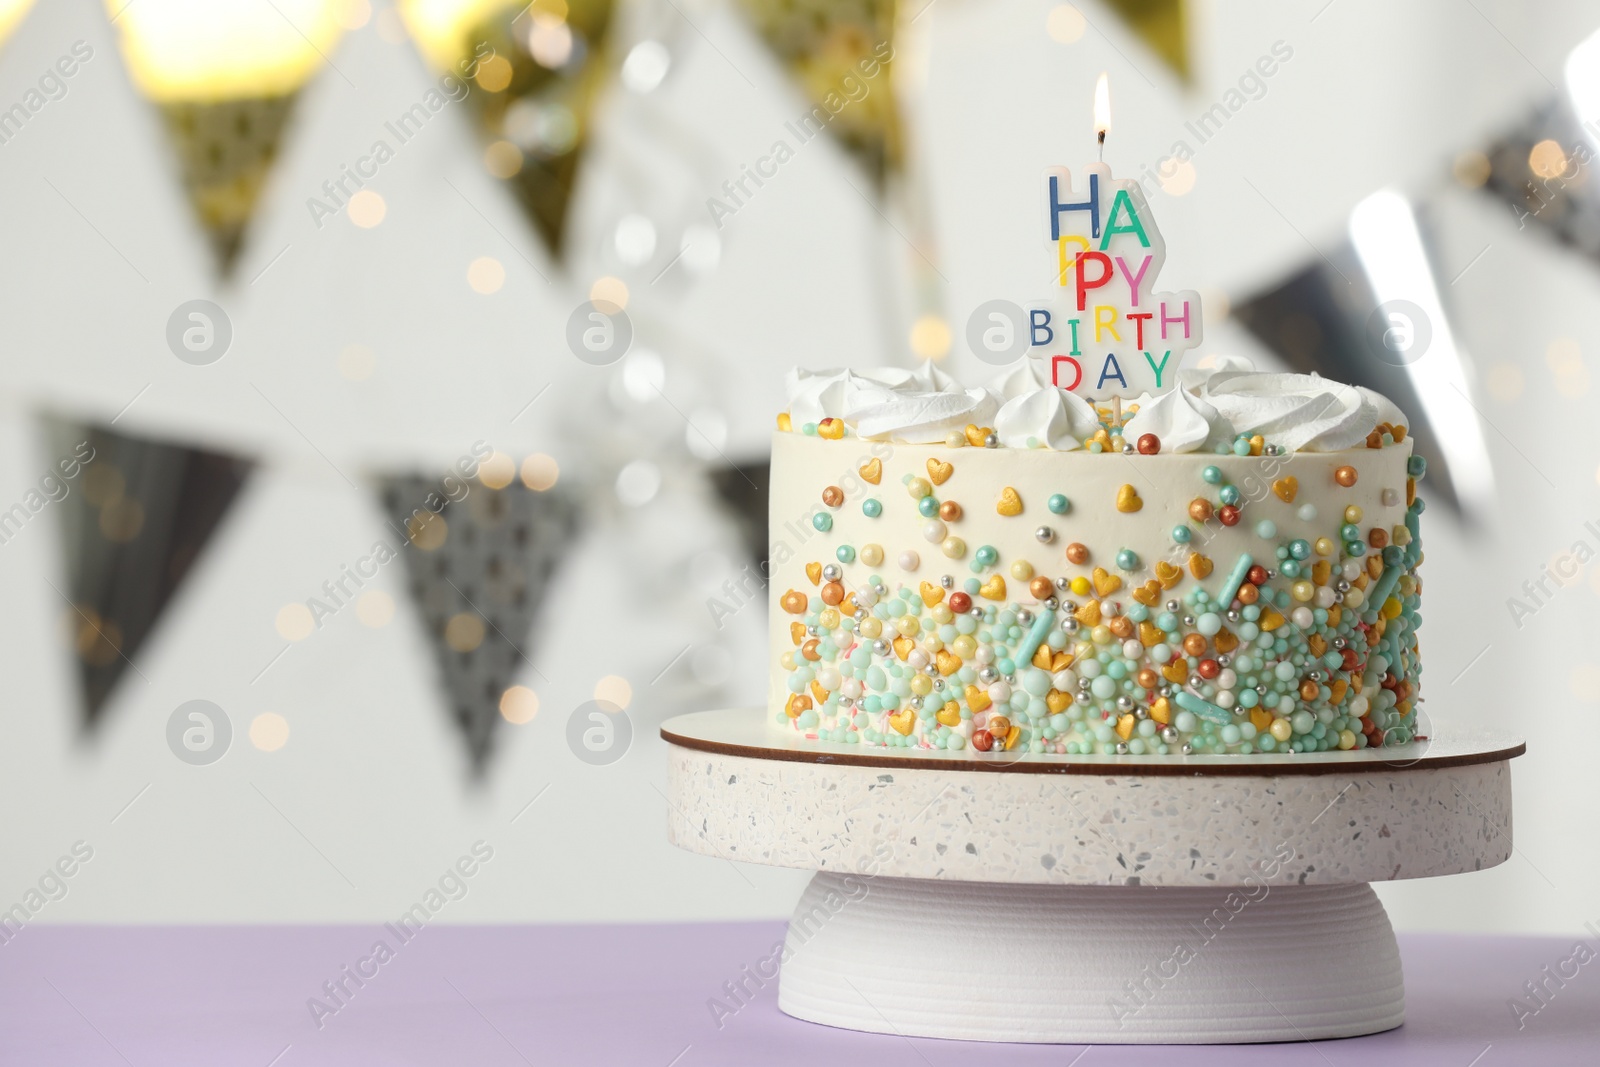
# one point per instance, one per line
(928, 506)
(1236, 576)
(1181, 534)
(1266, 529)
(1128, 559)
(1416, 466)
(1036, 634)
(822, 521)
(1203, 708)
(986, 555)
(871, 507)
(809, 429)
(846, 554)
(1058, 504)
(1228, 494)
(1241, 448)
(1212, 475)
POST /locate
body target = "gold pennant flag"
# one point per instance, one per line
(839, 51)
(225, 76)
(1162, 25)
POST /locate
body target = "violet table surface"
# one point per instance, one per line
(488, 996)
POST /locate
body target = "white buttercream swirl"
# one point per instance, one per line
(1181, 421)
(924, 418)
(1045, 416)
(1023, 376)
(1300, 412)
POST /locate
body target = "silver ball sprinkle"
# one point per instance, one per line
(938, 684)
(1168, 734)
(1224, 660)
(976, 612)
(1141, 713)
(1024, 616)
(831, 573)
(948, 581)
(860, 613)
(1188, 749)
(1233, 615)
(1165, 691)
(1339, 642)
(1011, 680)
(847, 702)
(1272, 572)
(1174, 605)
(986, 675)
(1127, 448)
(1124, 703)
(1063, 584)
(1069, 625)
(1188, 620)
(1195, 681)
(1082, 698)
(917, 703)
(812, 631)
(1342, 586)
(880, 647)
(991, 441)
(1122, 748)
(1261, 689)
(1315, 676)
(1044, 535)
(1050, 603)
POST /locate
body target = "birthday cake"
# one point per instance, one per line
(1100, 551)
(1232, 569)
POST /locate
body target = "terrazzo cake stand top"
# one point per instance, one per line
(1089, 899)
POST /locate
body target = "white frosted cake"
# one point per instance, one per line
(1229, 569)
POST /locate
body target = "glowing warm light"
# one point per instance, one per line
(502, 159)
(121, 520)
(540, 472)
(638, 482)
(1565, 359)
(210, 50)
(11, 15)
(519, 704)
(609, 290)
(549, 41)
(427, 531)
(1472, 169)
(353, 14)
(1548, 159)
(366, 209)
(497, 471)
(464, 632)
(647, 64)
(269, 731)
(1384, 231)
(1177, 178)
(375, 608)
(1102, 105)
(294, 622)
(441, 27)
(1065, 24)
(494, 74)
(614, 689)
(930, 337)
(357, 362)
(486, 275)
(103, 483)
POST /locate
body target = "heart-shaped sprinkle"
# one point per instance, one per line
(1167, 574)
(1057, 701)
(1317, 644)
(794, 603)
(814, 572)
(1010, 502)
(1060, 661)
(830, 429)
(939, 471)
(1013, 735)
(1089, 613)
(1199, 565)
(819, 694)
(903, 720)
(1151, 634)
(1125, 727)
(947, 662)
(993, 589)
(903, 646)
(1271, 619)
(1161, 710)
(1148, 594)
(975, 435)
(797, 632)
(1225, 640)
(1041, 657)
(1105, 583)
(1176, 671)
(872, 471)
(950, 715)
(977, 699)
(1286, 488)
(931, 594)
(1128, 499)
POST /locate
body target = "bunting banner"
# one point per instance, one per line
(134, 515)
(480, 553)
(839, 53)
(1163, 26)
(225, 78)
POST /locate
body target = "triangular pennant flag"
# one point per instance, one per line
(743, 488)
(479, 567)
(840, 55)
(540, 68)
(1537, 169)
(1162, 26)
(139, 516)
(225, 78)
(1317, 322)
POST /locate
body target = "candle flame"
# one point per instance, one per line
(1102, 106)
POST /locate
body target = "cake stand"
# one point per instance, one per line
(1089, 899)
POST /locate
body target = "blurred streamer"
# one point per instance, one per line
(479, 567)
(224, 75)
(1162, 25)
(134, 518)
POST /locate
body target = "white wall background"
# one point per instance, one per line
(367, 802)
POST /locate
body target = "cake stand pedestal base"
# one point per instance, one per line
(1092, 899)
(1091, 964)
